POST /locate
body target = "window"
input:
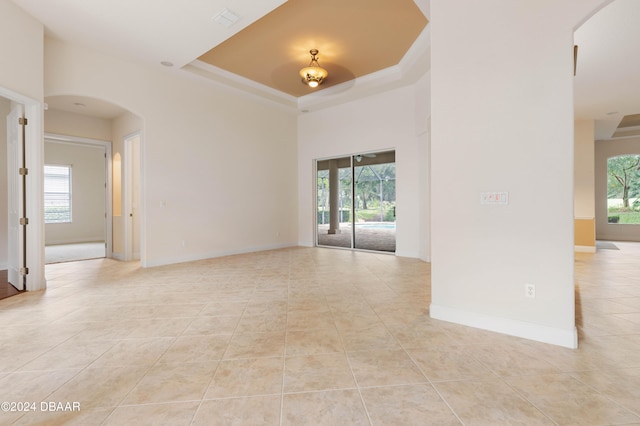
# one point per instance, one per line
(57, 194)
(623, 189)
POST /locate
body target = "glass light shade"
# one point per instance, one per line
(313, 76)
(314, 73)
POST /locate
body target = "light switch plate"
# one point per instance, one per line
(494, 198)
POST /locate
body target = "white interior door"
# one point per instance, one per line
(132, 197)
(14, 202)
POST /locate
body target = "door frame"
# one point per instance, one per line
(352, 166)
(74, 140)
(34, 152)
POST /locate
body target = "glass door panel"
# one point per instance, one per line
(375, 201)
(334, 194)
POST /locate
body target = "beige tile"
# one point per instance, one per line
(83, 417)
(262, 323)
(104, 330)
(32, 386)
(350, 321)
(257, 410)
(255, 345)
(158, 327)
(14, 355)
(407, 405)
(304, 321)
(173, 383)
(154, 414)
(100, 387)
(223, 309)
(489, 403)
(633, 317)
(568, 401)
(246, 377)
(384, 368)
(421, 335)
(196, 349)
(212, 325)
(621, 386)
(318, 372)
(324, 408)
(475, 336)
(370, 338)
(309, 342)
(71, 354)
(449, 364)
(515, 359)
(140, 351)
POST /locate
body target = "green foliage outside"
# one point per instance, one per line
(375, 190)
(623, 189)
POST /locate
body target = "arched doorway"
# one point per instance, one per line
(85, 120)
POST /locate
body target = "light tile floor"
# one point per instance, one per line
(308, 336)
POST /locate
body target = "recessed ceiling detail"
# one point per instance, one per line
(629, 127)
(356, 38)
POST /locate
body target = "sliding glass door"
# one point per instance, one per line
(356, 202)
(334, 195)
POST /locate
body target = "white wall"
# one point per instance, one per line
(88, 193)
(502, 120)
(21, 80)
(379, 122)
(605, 150)
(5, 108)
(219, 167)
(78, 125)
(21, 47)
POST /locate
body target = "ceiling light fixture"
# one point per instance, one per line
(314, 74)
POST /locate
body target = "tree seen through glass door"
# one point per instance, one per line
(623, 189)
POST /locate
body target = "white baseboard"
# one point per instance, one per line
(526, 330)
(57, 242)
(117, 256)
(409, 254)
(585, 249)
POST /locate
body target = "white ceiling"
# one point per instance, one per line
(145, 30)
(607, 85)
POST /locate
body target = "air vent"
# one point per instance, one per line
(226, 18)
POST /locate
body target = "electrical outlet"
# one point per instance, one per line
(530, 291)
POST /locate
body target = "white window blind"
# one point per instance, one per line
(57, 194)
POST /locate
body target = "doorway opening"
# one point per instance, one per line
(356, 202)
(77, 210)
